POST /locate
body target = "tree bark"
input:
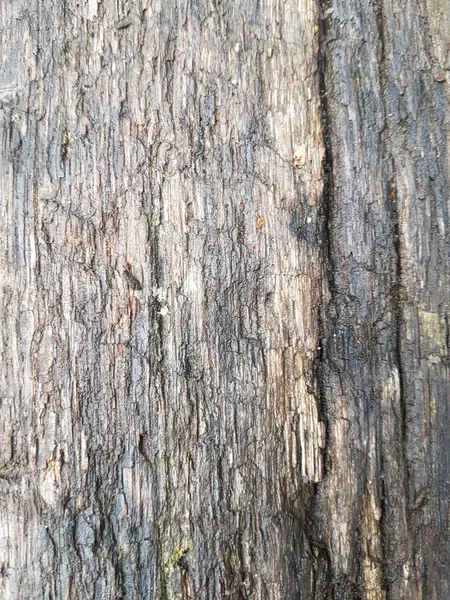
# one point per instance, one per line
(225, 299)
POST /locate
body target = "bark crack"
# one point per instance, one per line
(391, 190)
(326, 210)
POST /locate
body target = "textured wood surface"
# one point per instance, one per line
(225, 300)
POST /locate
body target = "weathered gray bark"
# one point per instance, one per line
(225, 299)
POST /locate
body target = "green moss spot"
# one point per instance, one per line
(432, 409)
(68, 54)
(171, 563)
(7, 472)
(432, 336)
(153, 224)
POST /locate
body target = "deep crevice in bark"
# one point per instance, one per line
(326, 209)
(391, 191)
(320, 553)
(396, 291)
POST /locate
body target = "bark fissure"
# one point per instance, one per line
(397, 292)
(326, 310)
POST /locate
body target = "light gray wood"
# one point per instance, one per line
(225, 298)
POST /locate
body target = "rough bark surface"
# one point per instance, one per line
(225, 299)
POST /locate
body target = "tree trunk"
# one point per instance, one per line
(225, 300)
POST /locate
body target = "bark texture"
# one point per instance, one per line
(225, 300)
